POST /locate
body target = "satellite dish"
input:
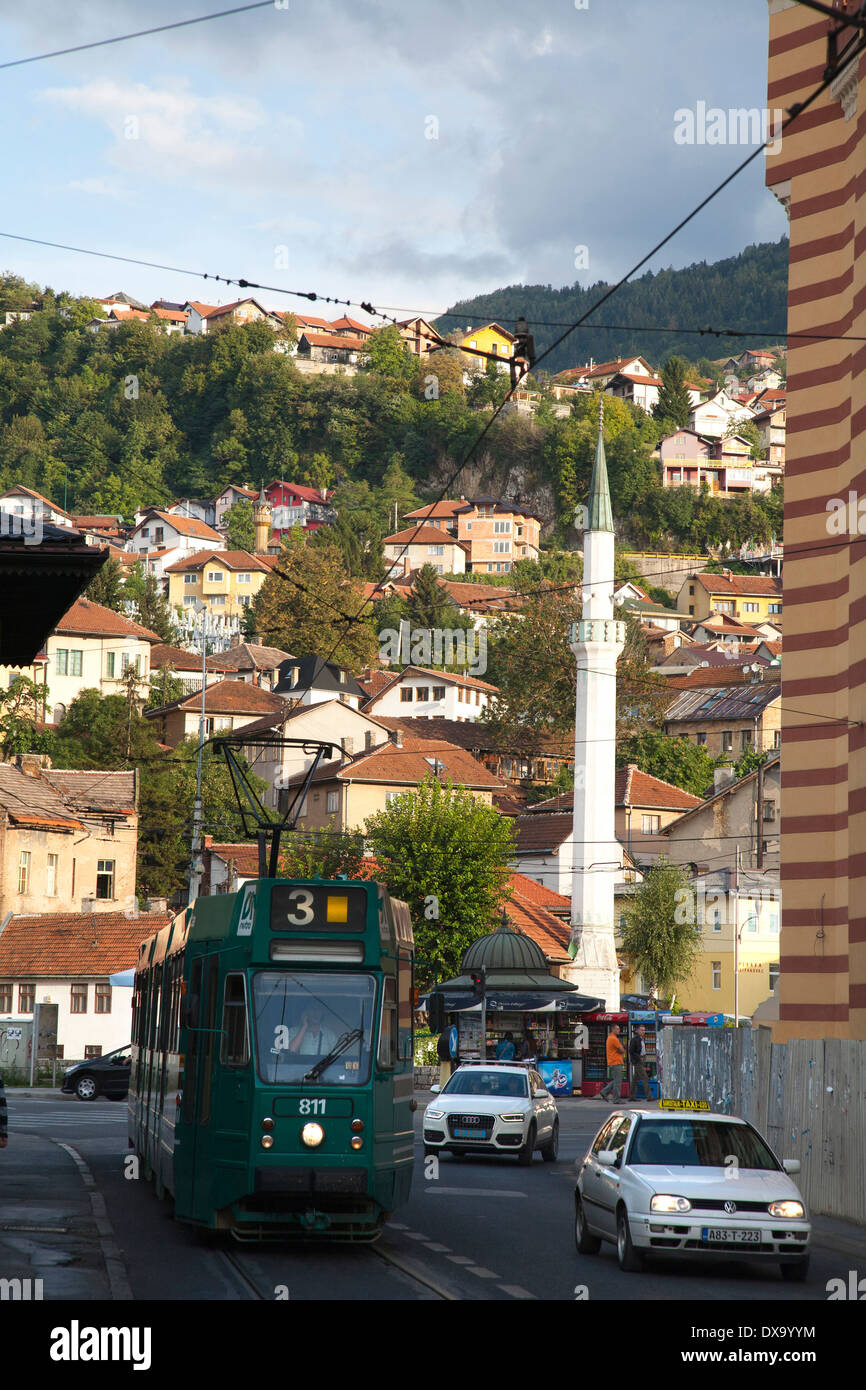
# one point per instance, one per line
(747, 669)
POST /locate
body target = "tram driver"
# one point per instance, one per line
(311, 1037)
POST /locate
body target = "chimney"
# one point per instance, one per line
(87, 904)
(156, 904)
(368, 740)
(29, 763)
(347, 745)
(722, 777)
(397, 738)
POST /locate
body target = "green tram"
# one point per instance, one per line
(272, 1059)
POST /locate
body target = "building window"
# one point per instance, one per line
(392, 796)
(406, 694)
(92, 1050)
(5, 996)
(129, 661)
(245, 600)
(727, 740)
(745, 739)
(24, 871)
(502, 547)
(103, 999)
(650, 825)
(190, 579)
(159, 534)
(79, 999)
(215, 576)
(105, 878)
(218, 600)
(333, 802)
(775, 608)
(26, 998)
(438, 692)
(62, 661)
(777, 738)
(501, 528)
(421, 692)
(435, 550)
(774, 973)
(717, 974)
(769, 810)
(244, 579)
(701, 738)
(51, 875)
(716, 919)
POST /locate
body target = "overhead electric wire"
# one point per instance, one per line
(139, 34)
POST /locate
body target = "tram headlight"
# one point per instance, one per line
(267, 1141)
(267, 1122)
(357, 1126)
(312, 1135)
(357, 1142)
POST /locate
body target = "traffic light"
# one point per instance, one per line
(436, 1011)
(479, 983)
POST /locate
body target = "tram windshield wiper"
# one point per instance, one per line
(336, 1051)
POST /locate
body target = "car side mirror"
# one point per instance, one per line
(791, 1165)
(539, 1091)
(607, 1157)
(434, 1090)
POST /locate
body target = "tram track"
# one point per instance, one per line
(263, 1289)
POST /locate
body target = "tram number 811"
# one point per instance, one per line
(312, 1107)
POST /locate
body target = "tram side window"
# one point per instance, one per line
(235, 1045)
(388, 1027)
(210, 1025)
(192, 1048)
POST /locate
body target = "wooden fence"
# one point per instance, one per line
(808, 1097)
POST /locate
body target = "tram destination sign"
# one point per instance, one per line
(315, 907)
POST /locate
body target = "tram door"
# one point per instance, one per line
(199, 1089)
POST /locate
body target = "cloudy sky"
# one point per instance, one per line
(410, 152)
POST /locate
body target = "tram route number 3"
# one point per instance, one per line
(311, 1107)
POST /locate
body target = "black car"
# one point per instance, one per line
(100, 1076)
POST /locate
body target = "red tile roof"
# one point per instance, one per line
(226, 697)
(408, 765)
(306, 494)
(346, 322)
(443, 508)
(740, 584)
(440, 677)
(632, 788)
(335, 340)
(238, 560)
(184, 525)
(82, 944)
(719, 675)
(88, 619)
(420, 535)
(163, 654)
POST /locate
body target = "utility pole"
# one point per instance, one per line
(759, 818)
(737, 939)
(196, 866)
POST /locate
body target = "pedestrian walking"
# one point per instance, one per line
(505, 1049)
(4, 1117)
(443, 1052)
(615, 1062)
(637, 1058)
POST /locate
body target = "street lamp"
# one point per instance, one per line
(196, 866)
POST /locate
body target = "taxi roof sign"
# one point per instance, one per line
(684, 1105)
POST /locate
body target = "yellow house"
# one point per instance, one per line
(753, 597)
(489, 338)
(227, 581)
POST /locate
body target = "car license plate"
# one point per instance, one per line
(469, 1134)
(710, 1233)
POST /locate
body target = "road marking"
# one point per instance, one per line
(439, 1249)
(516, 1291)
(396, 1226)
(459, 1259)
(436, 1191)
(483, 1273)
(416, 1235)
(114, 1266)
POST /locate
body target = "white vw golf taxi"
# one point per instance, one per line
(678, 1183)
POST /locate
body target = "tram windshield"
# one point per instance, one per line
(318, 1027)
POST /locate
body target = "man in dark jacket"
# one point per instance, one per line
(637, 1058)
(4, 1118)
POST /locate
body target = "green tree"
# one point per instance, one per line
(674, 760)
(388, 355)
(673, 407)
(658, 935)
(748, 761)
(319, 472)
(326, 855)
(150, 604)
(22, 707)
(107, 586)
(306, 607)
(240, 527)
(446, 854)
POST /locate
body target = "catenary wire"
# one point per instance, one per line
(139, 34)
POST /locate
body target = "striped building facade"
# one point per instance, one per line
(820, 176)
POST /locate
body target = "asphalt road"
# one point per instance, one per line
(475, 1229)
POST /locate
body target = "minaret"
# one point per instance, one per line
(262, 517)
(596, 641)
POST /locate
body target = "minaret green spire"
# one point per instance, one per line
(600, 510)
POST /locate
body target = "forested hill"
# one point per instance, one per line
(749, 291)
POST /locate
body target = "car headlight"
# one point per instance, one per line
(666, 1203)
(434, 1114)
(512, 1119)
(788, 1208)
